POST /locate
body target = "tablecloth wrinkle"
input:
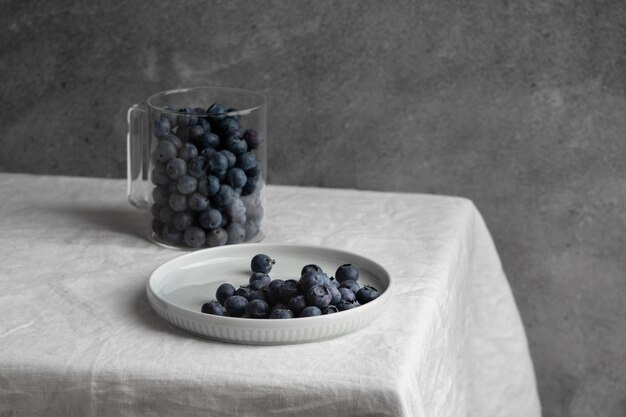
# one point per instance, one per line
(78, 337)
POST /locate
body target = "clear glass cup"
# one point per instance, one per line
(197, 166)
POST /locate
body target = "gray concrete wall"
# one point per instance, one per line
(518, 106)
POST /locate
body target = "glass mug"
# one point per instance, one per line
(197, 166)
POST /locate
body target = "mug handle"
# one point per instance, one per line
(138, 156)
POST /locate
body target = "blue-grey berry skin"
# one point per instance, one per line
(230, 157)
(253, 138)
(281, 313)
(229, 126)
(217, 164)
(198, 202)
(194, 237)
(166, 214)
(197, 167)
(176, 168)
(236, 145)
(155, 210)
(252, 229)
(262, 263)
(351, 285)
(178, 202)
(224, 291)
(310, 279)
(346, 305)
(257, 309)
(161, 127)
(224, 196)
(261, 277)
(236, 211)
(182, 221)
(288, 290)
(216, 237)
(210, 219)
(244, 291)
(247, 161)
(329, 309)
(169, 115)
(366, 294)
(297, 304)
(213, 307)
(216, 112)
(252, 186)
(160, 195)
(187, 185)
(347, 272)
(164, 152)
(236, 233)
(236, 178)
(157, 226)
(204, 123)
(235, 306)
(208, 140)
(195, 131)
(188, 119)
(312, 268)
(174, 140)
(258, 294)
(334, 293)
(347, 295)
(273, 290)
(208, 185)
(171, 236)
(318, 296)
(188, 152)
(310, 311)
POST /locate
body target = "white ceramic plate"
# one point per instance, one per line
(178, 288)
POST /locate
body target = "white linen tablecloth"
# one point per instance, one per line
(78, 337)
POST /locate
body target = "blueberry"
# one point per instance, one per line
(247, 161)
(194, 237)
(236, 233)
(187, 185)
(347, 272)
(230, 157)
(235, 306)
(297, 304)
(217, 164)
(259, 294)
(187, 152)
(236, 178)
(244, 291)
(196, 167)
(257, 309)
(166, 214)
(273, 290)
(318, 296)
(208, 185)
(160, 195)
(261, 277)
(310, 311)
(236, 211)
(195, 132)
(224, 291)
(174, 140)
(170, 116)
(171, 236)
(215, 112)
(178, 202)
(288, 290)
(187, 119)
(198, 202)
(252, 185)
(161, 127)
(204, 123)
(213, 307)
(216, 237)
(310, 279)
(229, 126)
(329, 309)
(281, 313)
(236, 145)
(312, 268)
(253, 138)
(347, 295)
(164, 152)
(351, 285)
(224, 196)
(210, 219)
(182, 221)
(334, 293)
(208, 140)
(262, 263)
(176, 168)
(345, 305)
(366, 294)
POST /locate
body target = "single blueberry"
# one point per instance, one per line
(318, 296)
(288, 290)
(213, 307)
(310, 279)
(257, 309)
(235, 306)
(196, 167)
(164, 152)
(347, 295)
(236, 178)
(312, 268)
(262, 263)
(217, 237)
(195, 131)
(166, 214)
(178, 202)
(310, 311)
(262, 277)
(334, 293)
(252, 186)
(187, 185)
(229, 126)
(216, 112)
(224, 196)
(188, 151)
(351, 285)
(198, 202)
(224, 291)
(274, 290)
(160, 195)
(281, 313)
(194, 237)
(207, 141)
(297, 304)
(210, 219)
(236, 145)
(182, 221)
(366, 294)
(253, 138)
(236, 233)
(347, 272)
(176, 168)
(217, 164)
(170, 115)
(246, 161)
(161, 127)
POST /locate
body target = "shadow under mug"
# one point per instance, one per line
(197, 166)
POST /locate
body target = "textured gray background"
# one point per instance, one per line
(518, 106)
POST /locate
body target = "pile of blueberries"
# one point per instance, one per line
(313, 294)
(207, 178)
